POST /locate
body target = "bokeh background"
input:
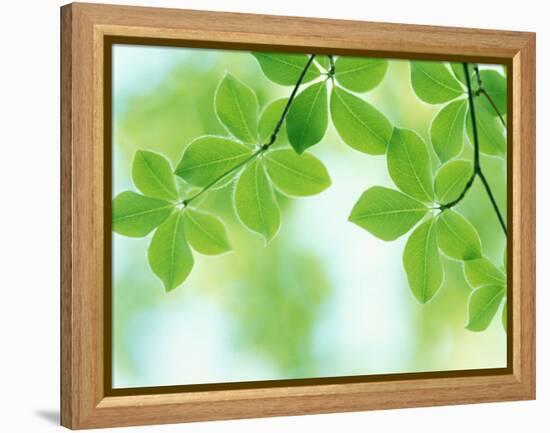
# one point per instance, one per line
(324, 298)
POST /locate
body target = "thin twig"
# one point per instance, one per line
(481, 91)
(222, 176)
(462, 194)
(273, 136)
(493, 201)
(477, 165)
(332, 66)
(473, 114)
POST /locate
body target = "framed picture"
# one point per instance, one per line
(266, 216)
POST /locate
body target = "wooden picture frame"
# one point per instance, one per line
(87, 400)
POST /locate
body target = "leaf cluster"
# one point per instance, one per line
(332, 95)
(424, 200)
(266, 152)
(211, 161)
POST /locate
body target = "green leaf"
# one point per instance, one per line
(360, 74)
(307, 119)
(458, 71)
(205, 233)
(268, 120)
(433, 82)
(505, 258)
(492, 140)
(495, 85)
(481, 272)
(296, 175)
(505, 316)
(447, 130)
(451, 179)
(409, 165)
(492, 81)
(136, 215)
(323, 61)
(208, 157)
(169, 255)
(255, 201)
(153, 175)
(386, 213)
(285, 69)
(457, 237)
(237, 108)
(422, 262)
(360, 125)
(483, 306)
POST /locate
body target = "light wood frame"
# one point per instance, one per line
(85, 402)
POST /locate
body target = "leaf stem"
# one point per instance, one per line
(332, 66)
(222, 176)
(477, 165)
(473, 115)
(264, 146)
(462, 194)
(481, 91)
(493, 201)
(279, 124)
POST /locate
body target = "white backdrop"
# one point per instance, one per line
(29, 174)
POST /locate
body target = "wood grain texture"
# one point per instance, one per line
(85, 27)
(523, 215)
(67, 384)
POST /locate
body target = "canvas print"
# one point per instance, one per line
(294, 216)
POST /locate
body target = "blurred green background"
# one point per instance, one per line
(324, 298)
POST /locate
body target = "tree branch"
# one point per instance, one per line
(277, 128)
(493, 201)
(481, 91)
(332, 66)
(477, 166)
(222, 176)
(462, 194)
(473, 114)
(263, 147)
